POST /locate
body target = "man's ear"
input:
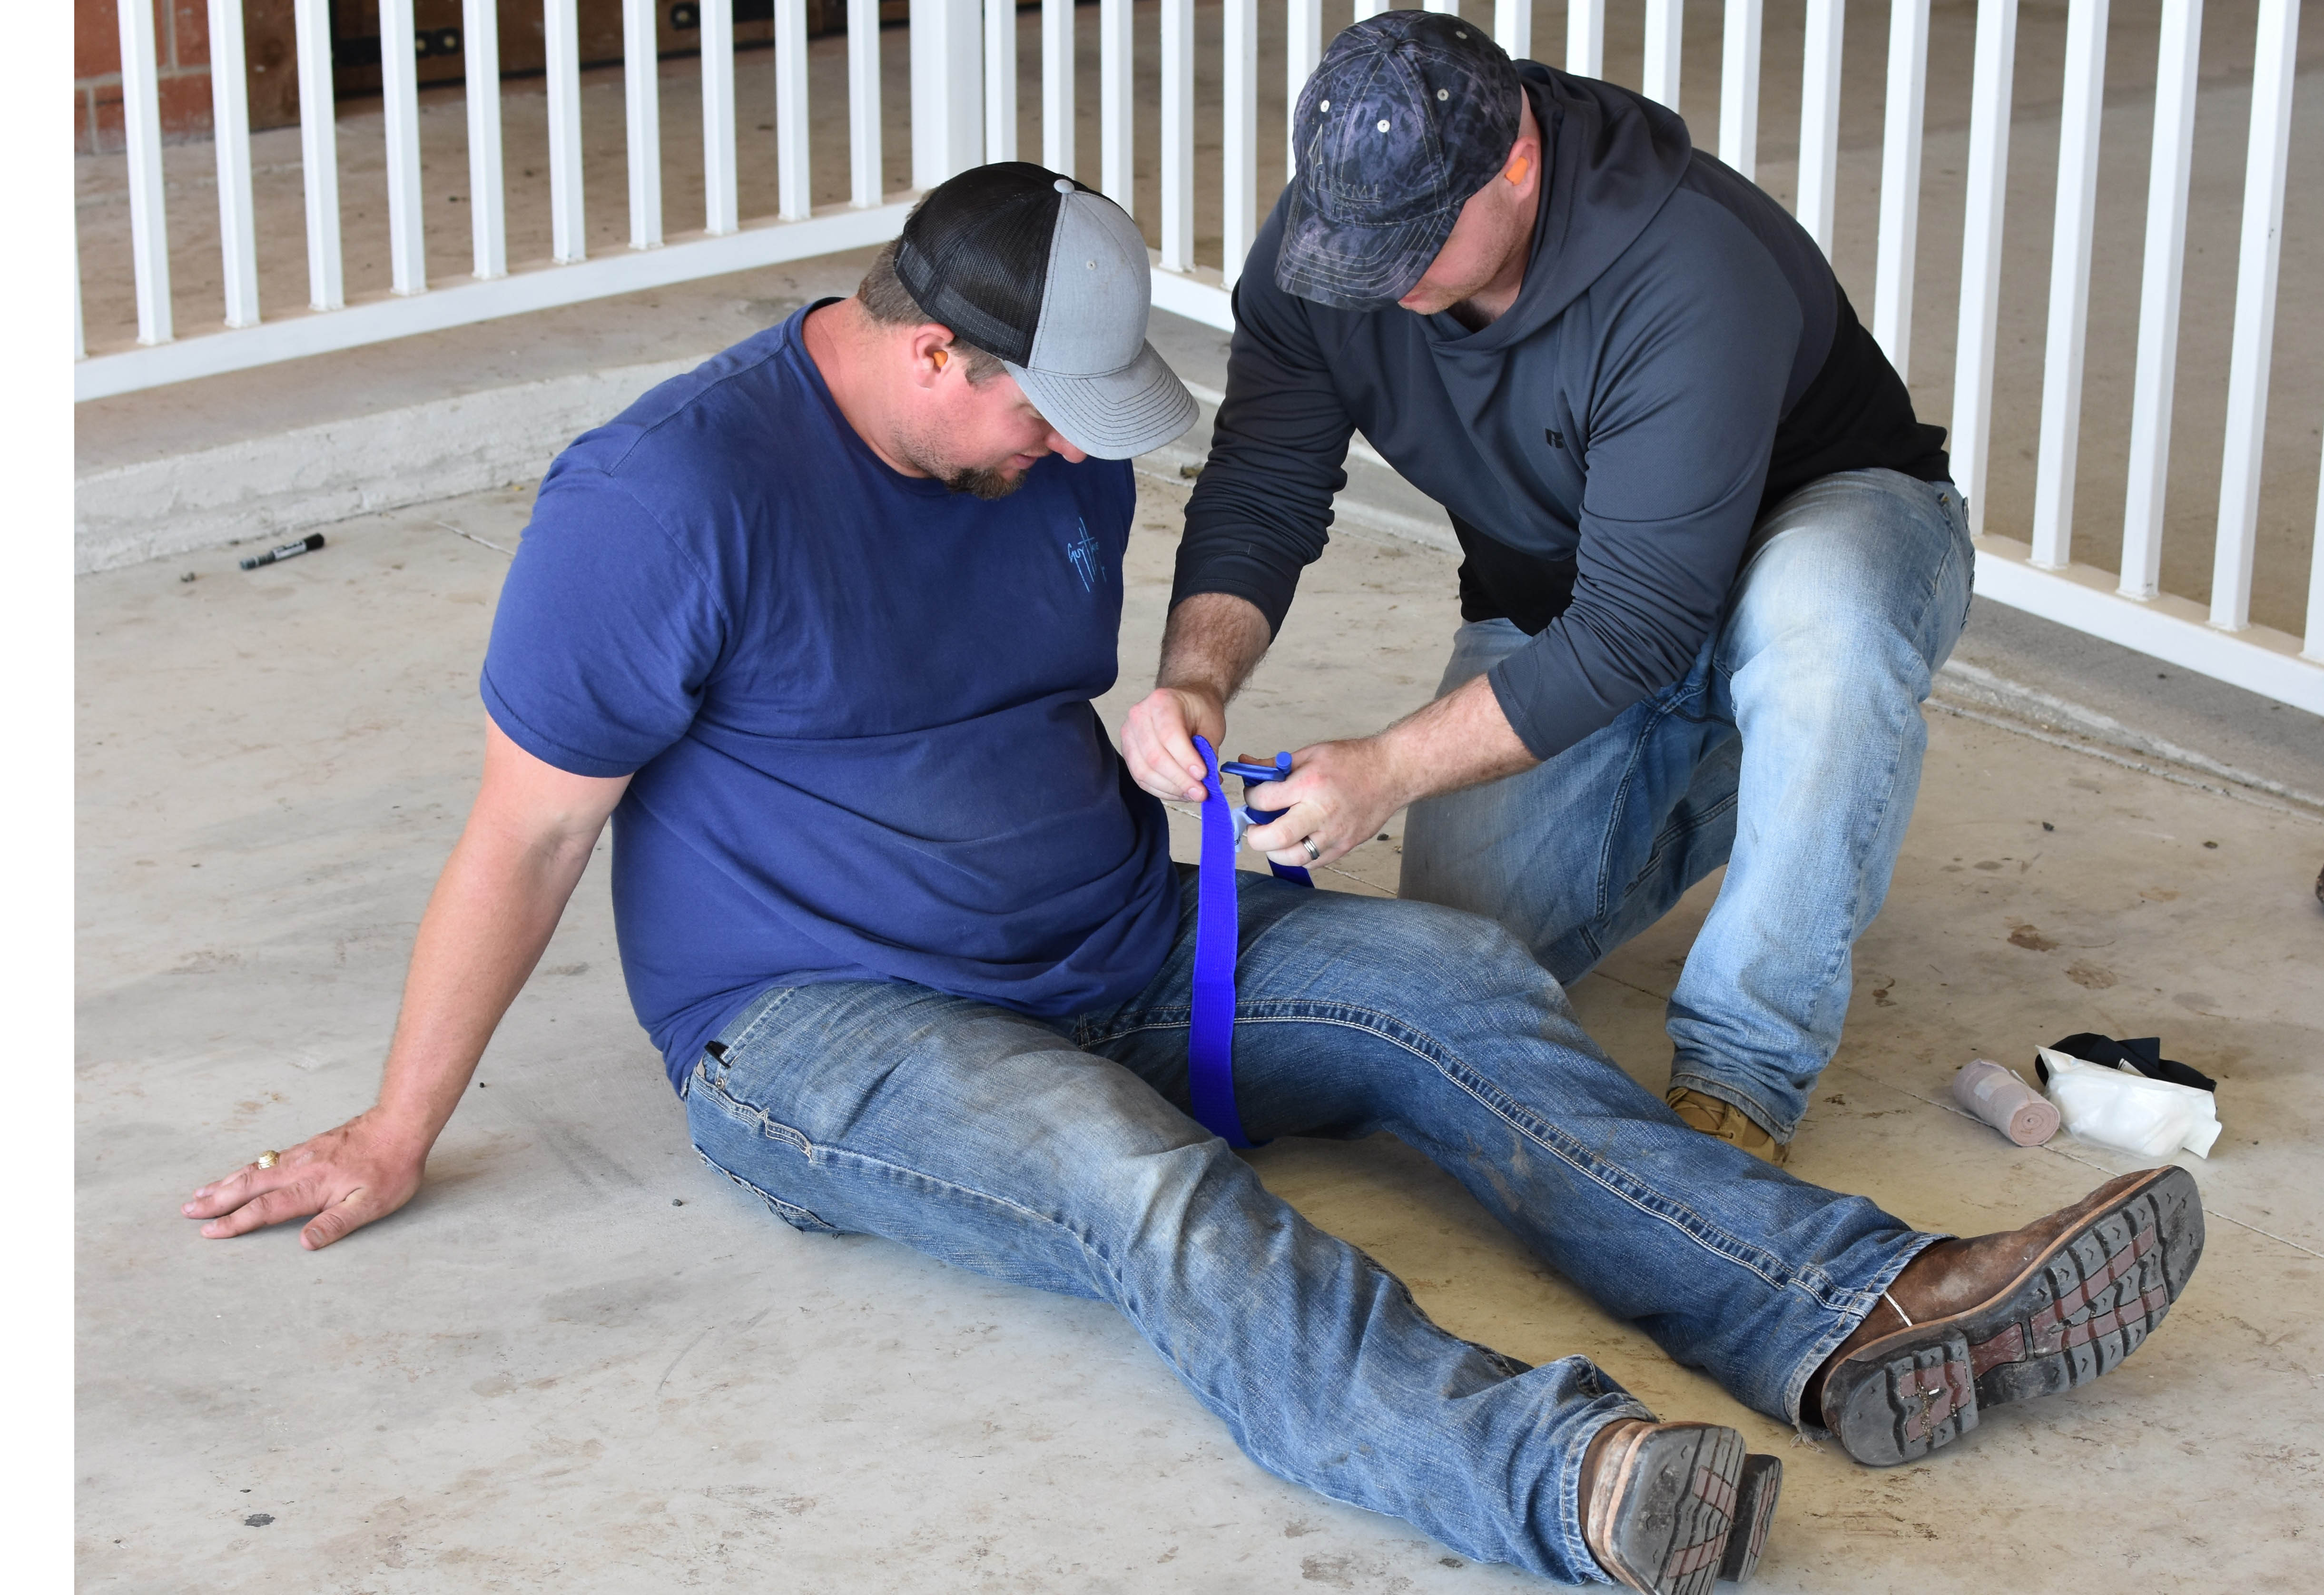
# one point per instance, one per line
(1525, 154)
(931, 354)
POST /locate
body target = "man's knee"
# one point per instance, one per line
(1435, 959)
(1864, 574)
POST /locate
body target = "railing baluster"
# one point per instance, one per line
(487, 196)
(1739, 88)
(641, 100)
(1116, 104)
(1369, 8)
(398, 85)
(1980, 294)
(80, 324)
(141, 127)
(2255, 279)
(1239, 93)
(2169, 171)
(1820, 118)
(947, 89)
(1057, 86)
(1665, 34)
(230, 119)
(1900, 180)
(1585, 38)
(864, 177)
(2313, 648)
(794, 186)
(567, 225)
(1303, 46)
(1513, 27)
(2070, 283)
(720, 210)
(1177, 135)
(1442, 7)
(1000, 80)
(318, 156)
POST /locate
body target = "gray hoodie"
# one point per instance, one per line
(1678, 358)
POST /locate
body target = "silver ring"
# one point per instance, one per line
(1314, 851)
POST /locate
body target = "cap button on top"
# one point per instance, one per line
(1065, 185)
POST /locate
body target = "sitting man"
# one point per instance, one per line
(818, 626)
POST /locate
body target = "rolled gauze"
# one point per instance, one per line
(2002, 1100)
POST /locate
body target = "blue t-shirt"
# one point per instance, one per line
(856, 706)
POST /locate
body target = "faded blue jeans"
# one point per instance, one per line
(1790, 753)
(1059, 1154)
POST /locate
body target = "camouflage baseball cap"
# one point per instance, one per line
(1408, 115)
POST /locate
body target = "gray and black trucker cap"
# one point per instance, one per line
(1408, 115)
(1032, 267)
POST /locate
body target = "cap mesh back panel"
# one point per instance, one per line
(975, 256)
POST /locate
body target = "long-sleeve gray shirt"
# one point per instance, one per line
(1678, 358)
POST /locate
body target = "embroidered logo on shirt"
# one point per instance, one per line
(1085, 554)
(1556, 439)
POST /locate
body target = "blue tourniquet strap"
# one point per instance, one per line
(1210, 1042)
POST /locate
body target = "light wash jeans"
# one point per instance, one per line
(1059, 1154)
(1790, 753)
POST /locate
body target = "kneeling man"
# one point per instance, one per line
(818, 627)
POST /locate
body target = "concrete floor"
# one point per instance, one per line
(579, 1362)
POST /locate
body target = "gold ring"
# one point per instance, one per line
(266, 1160)
(1314, 851)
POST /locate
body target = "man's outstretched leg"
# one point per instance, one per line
(1358, 1016)
(989, 1140)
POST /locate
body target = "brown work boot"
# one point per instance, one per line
(1672, 1509)
(1970, 1324)
(1723, 1121)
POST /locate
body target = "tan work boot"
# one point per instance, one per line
(1723, 1121)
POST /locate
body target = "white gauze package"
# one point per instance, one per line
(2115, 1108)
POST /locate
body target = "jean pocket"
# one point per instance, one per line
(804, 1220)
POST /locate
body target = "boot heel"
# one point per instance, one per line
(1665, 1506)
(1761, 1480)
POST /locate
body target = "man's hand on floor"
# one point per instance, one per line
(343, 1179)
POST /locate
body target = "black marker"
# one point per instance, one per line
(306, 545)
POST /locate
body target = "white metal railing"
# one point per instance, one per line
(961, 116)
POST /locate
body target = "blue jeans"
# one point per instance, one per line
(1790, 753)
(1059, 1154)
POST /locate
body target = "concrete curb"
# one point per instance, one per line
(272, 488)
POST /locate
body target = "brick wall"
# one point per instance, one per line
(181, 50)
(270, 43)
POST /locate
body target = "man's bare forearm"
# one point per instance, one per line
(495, 908)
(1212, 644)
(1460, 740)
(490, 918)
